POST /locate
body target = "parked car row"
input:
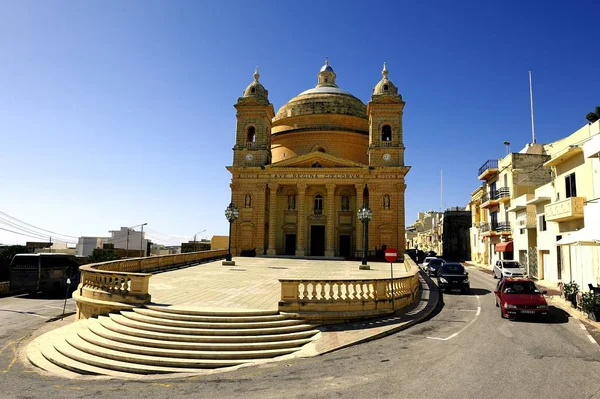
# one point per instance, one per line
(515, 294)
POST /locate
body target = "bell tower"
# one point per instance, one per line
(253, 134)
(385, 110)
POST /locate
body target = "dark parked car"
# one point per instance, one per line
(520, 296)
(434, 266)
(453, 276)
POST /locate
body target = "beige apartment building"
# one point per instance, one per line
(426, 232)
(557, 234)
(491, 204)
(300, 174)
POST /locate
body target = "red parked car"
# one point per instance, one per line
(520, 296)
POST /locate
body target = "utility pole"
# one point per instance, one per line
(127, 246)
(142, 240)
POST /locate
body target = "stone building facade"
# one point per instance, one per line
(300, 175)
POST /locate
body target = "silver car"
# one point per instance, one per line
(426, 262)
(509, 268)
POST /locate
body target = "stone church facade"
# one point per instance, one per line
(300, 175)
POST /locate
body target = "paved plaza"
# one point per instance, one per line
(253, 283)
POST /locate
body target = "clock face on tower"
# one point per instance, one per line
(387, 157)
(249, 157)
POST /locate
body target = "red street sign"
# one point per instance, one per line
(391, 254)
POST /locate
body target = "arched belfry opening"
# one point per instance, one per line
(386, 133)
(251, 135)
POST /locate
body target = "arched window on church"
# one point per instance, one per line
(386, 133)
(318, 205)
(251, 136)
(385, 87)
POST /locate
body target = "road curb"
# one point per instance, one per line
(431, 294)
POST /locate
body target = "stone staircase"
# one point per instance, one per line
(159, 340)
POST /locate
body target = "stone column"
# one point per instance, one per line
(330, 213)
(260, 207)
(272, 219)
(301, 221)
(401, 188)
(358, 236)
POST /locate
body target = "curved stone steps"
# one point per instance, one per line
(207, 319)
(157, 342)
(210, 325)
(147, 360)
(122, 345)
(109, 324)
(80, 361)
(186, 353)
(195, 311)
(123, 320)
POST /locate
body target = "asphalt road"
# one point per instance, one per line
(464, 351)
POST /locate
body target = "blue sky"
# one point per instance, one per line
(118, 113)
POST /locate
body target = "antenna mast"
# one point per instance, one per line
(531, 103)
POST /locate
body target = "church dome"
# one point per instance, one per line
(324, 117)
(256, 90)
(385, 86)
(325, 98)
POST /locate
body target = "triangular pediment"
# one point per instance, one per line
(316, 159)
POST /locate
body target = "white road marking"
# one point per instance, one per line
(581, 326)
(591, 339)
(464, 328)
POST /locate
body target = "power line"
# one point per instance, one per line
(39, 228)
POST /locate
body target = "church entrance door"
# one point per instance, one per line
(290, 244)
(317, 241)
(345, 245)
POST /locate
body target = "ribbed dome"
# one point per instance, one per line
(325, 98)
(385, 86)
(256, 90)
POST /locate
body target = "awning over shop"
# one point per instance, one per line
(581, 237)
(504, 246)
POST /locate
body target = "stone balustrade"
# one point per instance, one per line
(123, 284)
(334, 301)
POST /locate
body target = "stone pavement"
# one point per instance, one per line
(253, 282)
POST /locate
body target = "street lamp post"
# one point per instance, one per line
(231, 213)
(195, 242)
(364, 215)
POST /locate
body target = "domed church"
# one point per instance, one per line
(300, 175)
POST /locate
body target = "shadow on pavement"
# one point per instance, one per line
(555, 316)
(471, 292)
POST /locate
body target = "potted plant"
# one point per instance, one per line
(570, 291)
(590, 305)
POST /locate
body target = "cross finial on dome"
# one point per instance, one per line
(385, 71)
(256, 74)
(326, 60)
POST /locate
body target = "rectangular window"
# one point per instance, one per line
(542, 223)
(570, 186)
(522, 231)
(494, 220)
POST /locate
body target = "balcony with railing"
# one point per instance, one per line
(504, 228)
(488, 169)
(503, 194)
(489, 199)
(488, 229)
(527, 221)
(565, 210)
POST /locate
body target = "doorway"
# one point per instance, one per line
(345, 242)
(290, 244)
(317, 240)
